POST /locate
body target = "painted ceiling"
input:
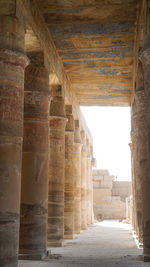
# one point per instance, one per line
(95, 41)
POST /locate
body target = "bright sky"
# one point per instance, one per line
(110, 127)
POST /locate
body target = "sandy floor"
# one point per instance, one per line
(108, 244)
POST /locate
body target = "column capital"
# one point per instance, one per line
(8, 9)
(144, 56)
(36, 74)
(36, 57)
(56, 90)
(77, 136)
(83, 136)
(12, 25)
(94, 163)
(91, 150)
(68, 109)
(88, 148)
(83, 140)
(70, 123)
(57, 108)
(87, 141)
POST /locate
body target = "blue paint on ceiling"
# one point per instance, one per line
(61, 44)
(124, 80)
(66, 30)
(94, 63)
(108, 65)
(118, 42)
(69, 10)
(68, 44)
(106, 87)
(112, 72)
(126, 52)
(117, 89)
(105, 97)
(103, 88)
(98, 42)
(122, 91)
(91, 63)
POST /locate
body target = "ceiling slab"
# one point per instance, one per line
(95, 42)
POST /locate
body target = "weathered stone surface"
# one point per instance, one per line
(69, 176)
(83, 181)
(56, 169)
(144, 161)
(12, 26)
(129, 209)
(77, 178)
(138, 149)
(12, 65)
(88, 183)
(91, 187)
(35, 161)
(109, 196)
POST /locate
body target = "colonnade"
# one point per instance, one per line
(140, 135)
(141, 156)
(45, 149)
(45, 165)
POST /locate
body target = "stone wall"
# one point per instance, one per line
(124, 189)
(109, 196)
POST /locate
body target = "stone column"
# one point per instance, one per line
(77, 178)
(133, 186)
(83, 181)
(136, 176)
(145, 162)
(69, 175)
(12, 64)
(34, 189)
(133, 172)
(56, 168)
(93, 164)
(138, 137)
(91, 186)
(88, 183)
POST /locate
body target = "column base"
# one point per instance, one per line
(56, 244)
(69, 236)
(85, 228)
(34, 257)
(146, 258)
(77, 232)
(138, 244)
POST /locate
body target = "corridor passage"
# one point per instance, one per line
(108, 244)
